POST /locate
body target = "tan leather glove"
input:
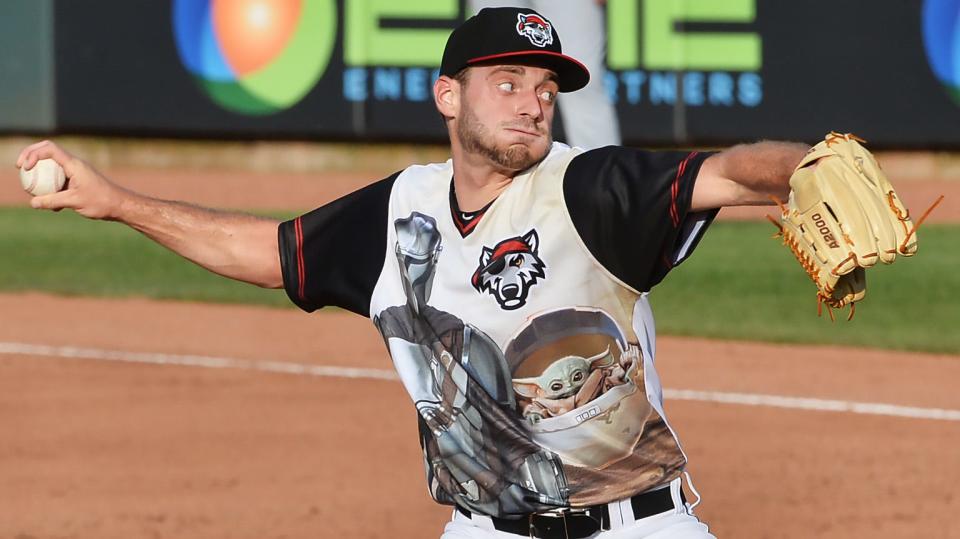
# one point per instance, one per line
(842, 217)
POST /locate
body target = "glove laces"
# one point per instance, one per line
(824, 291)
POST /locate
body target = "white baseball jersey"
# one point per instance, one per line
(521, 332)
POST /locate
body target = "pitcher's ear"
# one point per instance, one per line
(446, 96)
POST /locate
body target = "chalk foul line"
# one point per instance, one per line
(194, 361)
(285, 367)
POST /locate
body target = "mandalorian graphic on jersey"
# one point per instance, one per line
(526, 341)
(460, 384)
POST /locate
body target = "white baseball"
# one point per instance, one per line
(44, 178)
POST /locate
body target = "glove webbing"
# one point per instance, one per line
(812, 268)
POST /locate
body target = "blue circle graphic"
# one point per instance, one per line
(941, 40)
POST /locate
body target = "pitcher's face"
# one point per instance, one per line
(506, 114)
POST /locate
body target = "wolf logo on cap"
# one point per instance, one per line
(537, 29)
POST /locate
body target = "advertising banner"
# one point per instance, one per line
(26, 63)
(681, 71)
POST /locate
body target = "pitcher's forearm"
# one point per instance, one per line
(235, 245)
(747, 174)
(763, 168)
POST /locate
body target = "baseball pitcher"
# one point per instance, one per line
(510, 283)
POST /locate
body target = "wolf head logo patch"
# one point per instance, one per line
(510, 269)
(537, 29)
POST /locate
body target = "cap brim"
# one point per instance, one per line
(571, 74)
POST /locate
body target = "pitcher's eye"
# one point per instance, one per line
(548, 96)
(506, 86)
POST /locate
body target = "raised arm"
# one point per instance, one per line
(234, 245)
(747, 175)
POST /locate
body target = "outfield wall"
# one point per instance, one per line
(27, 66)
(683, 72)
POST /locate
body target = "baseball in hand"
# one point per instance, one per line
(44, 178)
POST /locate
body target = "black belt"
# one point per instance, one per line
(581, 522)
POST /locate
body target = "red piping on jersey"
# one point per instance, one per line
(466, 228)
(675, 190)
(666, 262)
(471, 225)
(298, 228)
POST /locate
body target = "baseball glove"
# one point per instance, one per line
(842, 217)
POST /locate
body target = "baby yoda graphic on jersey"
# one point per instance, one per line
(568, 383)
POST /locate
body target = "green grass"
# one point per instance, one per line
(739, 284)
(66, 254)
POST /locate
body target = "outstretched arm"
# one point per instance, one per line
(747, 175)
(234, 245)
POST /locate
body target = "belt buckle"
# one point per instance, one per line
(562, 514)
(559, 514)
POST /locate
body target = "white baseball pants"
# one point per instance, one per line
(679, 523)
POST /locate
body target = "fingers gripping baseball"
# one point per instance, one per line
(86, 191)
(55, 201)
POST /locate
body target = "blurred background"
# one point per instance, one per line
(680, 72)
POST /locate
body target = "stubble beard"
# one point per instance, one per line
(475, 138)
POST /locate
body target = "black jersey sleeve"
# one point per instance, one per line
(631, 209)
(333, 255)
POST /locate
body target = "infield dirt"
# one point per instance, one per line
(117, 449)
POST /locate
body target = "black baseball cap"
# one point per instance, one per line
(511, 34)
